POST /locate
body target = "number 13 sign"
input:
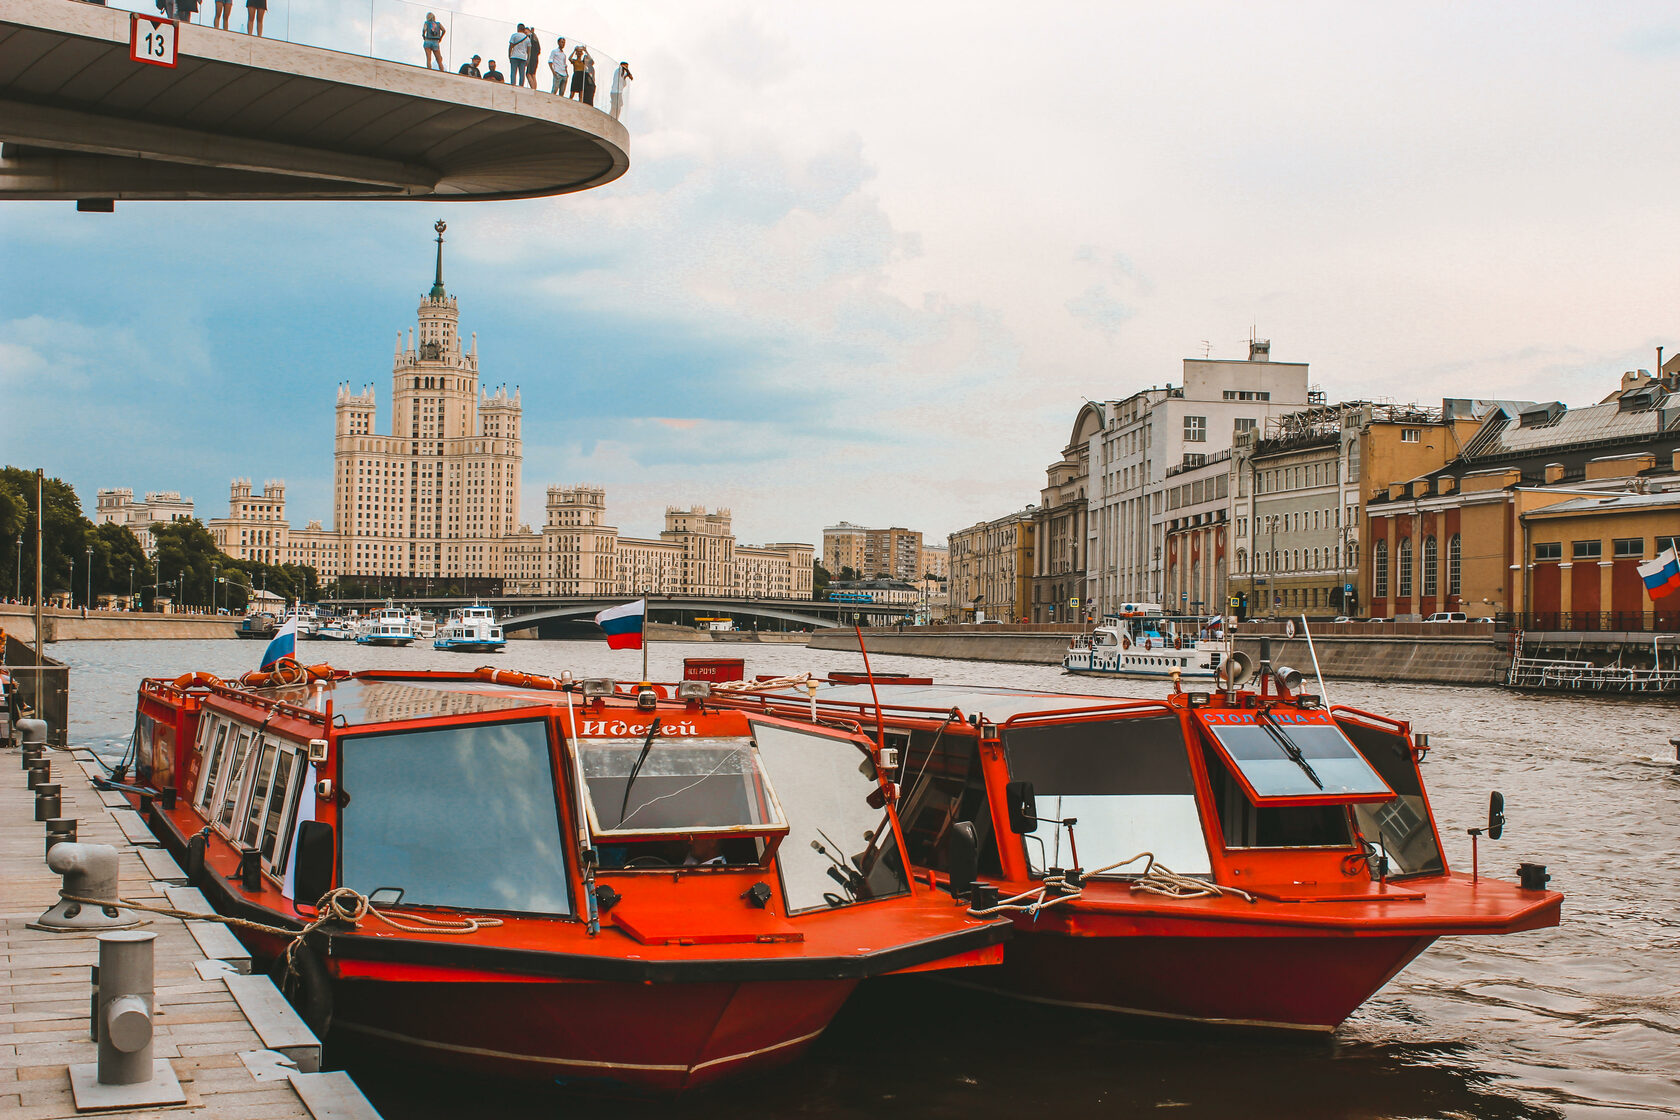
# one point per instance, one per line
(151, 39)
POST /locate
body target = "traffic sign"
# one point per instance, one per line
(151, 39)
(1074, 603)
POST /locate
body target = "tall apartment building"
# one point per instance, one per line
(936, 560)
(892, 553)
(435, 497)
(116, 506)
(1144, 435)
(1058, 582)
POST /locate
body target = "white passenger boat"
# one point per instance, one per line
(1141, 642)
(335, 630)
(387, 626)
(470, 630)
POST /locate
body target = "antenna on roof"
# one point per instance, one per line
(1207, 349)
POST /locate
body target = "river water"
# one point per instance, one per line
(1578, 1021)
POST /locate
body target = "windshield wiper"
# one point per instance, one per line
(637, 768)
(1289, 748)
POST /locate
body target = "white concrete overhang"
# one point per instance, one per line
(243, 117)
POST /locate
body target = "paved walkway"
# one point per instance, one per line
(45, 980)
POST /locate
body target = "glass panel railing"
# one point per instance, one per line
(393, 30)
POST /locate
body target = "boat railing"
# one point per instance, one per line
(1086, 715)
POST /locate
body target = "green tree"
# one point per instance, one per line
(119, 562)
(819, 580)
(185, 552)
(65, 532)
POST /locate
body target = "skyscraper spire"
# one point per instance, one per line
(437, 291)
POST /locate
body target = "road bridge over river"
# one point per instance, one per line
(522, 612)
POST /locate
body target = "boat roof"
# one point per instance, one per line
(992, 703)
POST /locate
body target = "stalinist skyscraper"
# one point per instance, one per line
(436, 497)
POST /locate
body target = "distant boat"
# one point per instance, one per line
(387, 626)
(1141, 642)
(258, 624)
(470, 630)
(335, 630)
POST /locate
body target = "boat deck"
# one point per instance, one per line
(203, 1031)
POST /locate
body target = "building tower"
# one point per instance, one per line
(434, 499)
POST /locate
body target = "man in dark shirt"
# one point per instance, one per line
(493, 74)
(470, 69)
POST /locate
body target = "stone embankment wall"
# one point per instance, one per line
(1469, 659)
(69, 626)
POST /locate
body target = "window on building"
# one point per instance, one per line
(1587, 550)
(1455, 566)
(1630, 547)
(1242, 424)
(1192, 459)
(1548, 550)
(1430, 559)
(1664, 544)
(1404, 589)
(1195, 429)
(1411, 435)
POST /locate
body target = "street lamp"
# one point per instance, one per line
(131, 587)
(88, 600)
(19, 592)
(214, 568)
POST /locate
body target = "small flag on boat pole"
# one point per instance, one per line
(623, 624)
(1662, 574)
(283, 644)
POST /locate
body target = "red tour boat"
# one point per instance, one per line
(562, 879)
(1242, 857)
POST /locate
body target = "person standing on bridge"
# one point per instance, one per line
(533, 55)
(620, 85)
(255, 10)
(470, 69)
(431, 40)
(224, 10)
(557, 67)
(519, 48)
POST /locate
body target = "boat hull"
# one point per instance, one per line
(383, 641)
(663, 1037)
(1142, 674)
(468, 647)
(1288, 983)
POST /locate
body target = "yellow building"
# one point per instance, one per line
(992, 570)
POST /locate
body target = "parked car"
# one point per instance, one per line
(1375, 618)
(1341, 618)
(1447, 616)
(1486, 618)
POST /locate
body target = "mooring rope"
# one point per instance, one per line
(1157, 878)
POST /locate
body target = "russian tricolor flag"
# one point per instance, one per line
(283, 644)
(623, 624)
(1661, 575)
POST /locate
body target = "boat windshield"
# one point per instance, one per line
(1291, 756)
(683, 786)
(1128, 784)
(840, 848)
(461, 816)
(1401, 828)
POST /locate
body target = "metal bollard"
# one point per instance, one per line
(61, 830)
(32, 733)
(48, 800)
(39, 771)
(125, 1007)
(126, 1074)
(90, 871)
(30, 754)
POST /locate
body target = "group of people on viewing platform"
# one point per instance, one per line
(185, 10)
(572, 74)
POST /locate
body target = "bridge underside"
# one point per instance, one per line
(243, 117)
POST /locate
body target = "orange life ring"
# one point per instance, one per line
(1125, 643)
(287, 672)
(1178, 642)
(196, 680)
(1149, 643)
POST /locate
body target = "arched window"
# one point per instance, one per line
(1430, 559)
(1379, 570)
(1404, 590)
(1242, 562)
(1455, 566)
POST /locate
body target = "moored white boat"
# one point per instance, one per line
(387, 626)
(1141, 642)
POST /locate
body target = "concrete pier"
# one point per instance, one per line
(228, 1063)
(70, 626)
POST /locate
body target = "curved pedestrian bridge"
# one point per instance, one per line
(242, 117)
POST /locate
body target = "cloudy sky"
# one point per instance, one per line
(870, 258)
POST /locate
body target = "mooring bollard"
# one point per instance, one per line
(48, 796)
(90, 871)
(30, 754)
(126, 1073)
(60, 830)
(32, 733)
(39, 771)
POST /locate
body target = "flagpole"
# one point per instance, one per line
(646, 638)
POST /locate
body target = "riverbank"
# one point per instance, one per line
(1480, 659)
(18, 620)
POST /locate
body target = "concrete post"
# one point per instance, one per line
(90, 871)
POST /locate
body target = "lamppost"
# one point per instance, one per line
(88, 600)
(180, 590)
(214, 568)
(131, 587)
(19, 592)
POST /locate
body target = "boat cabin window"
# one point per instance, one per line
(839, 849)
(665, 802)
(1281, 755)
(1400, 827)
(461, 816)
(1243, 824)
(232, 778)
(1128, 784)
(943, 784)
(212, 742)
